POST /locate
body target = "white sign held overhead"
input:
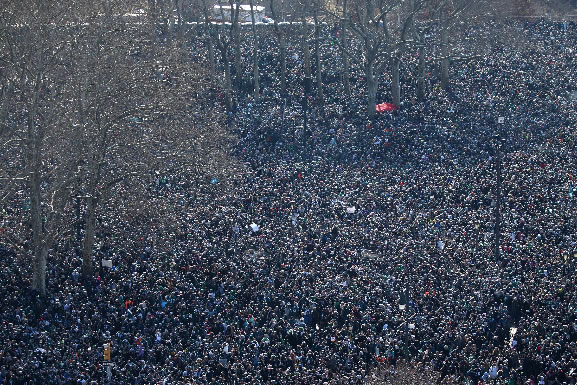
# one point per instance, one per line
(254, 227)
(440, 245)
(107, 263)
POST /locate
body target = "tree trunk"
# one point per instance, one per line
(255, 54)
(209, 42)
(236, 38)
(306, 49)
(153, 18)
(179, 14)
(445, 57)
(95, 173)
(169, 9)
(164, 19)
(5, 102)
(320, 94)
(256, 75)
(396, 81)
(40, 251)
(88, 244)
(344, 55)
(282, 46)
(372, 85)
(307, 80)
(93, 177)
(211, 62)
(178, 5)
(228, 85)
(282, 43)
(34, 136)
(421, 75)
(237, 58)
(223, 51)
(39, 270)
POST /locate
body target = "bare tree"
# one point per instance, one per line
(162, 16)
(384, 39)
(255, 57)
(128, 107)
(235, 38)
(344, 48)
(401, 41)
(178, 5)
(221, 40)
(450, 13)
(305, 41)
(280, 34)
(367, 28)
(96, 100)
(208, 39)
(318, 66)
(6, 95)
(108, 89)
(35, 43)
(419, 38)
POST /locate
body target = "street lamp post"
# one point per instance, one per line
(403, 307)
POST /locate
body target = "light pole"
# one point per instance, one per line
(107, 362)
(403, 307)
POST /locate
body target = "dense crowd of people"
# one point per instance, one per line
(342, 247)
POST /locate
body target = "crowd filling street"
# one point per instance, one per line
(343, 246)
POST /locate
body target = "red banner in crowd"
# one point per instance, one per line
(387, 107)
